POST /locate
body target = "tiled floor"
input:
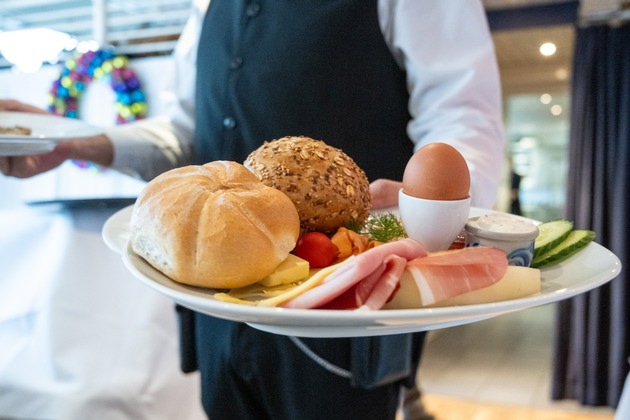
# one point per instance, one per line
(502, 360)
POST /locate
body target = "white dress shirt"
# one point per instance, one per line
(452, 77)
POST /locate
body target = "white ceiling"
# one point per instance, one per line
(524, 69)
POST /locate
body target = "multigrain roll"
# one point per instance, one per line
(327, 187)
(213, 226)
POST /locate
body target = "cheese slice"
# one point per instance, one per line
(292, 269)
(516, 283)
(256, 293)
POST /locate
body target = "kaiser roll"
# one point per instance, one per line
(325, 184)
(214, 225)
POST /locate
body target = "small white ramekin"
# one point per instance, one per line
(512, 234)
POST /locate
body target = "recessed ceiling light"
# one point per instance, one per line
(556, 110)
(547, 49)
(562, 74)
(545, 98)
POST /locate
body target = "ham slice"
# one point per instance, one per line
(373, 291)
(354, 271)
(443, 275)
(386, 285)
(371, 278)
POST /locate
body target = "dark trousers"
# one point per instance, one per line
(250, 374)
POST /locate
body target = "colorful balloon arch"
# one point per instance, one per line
(79, 72)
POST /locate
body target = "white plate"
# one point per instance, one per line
(46, 132)
(590, 268)
(116, 230)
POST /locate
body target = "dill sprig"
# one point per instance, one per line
(384, 227)
(354, 225)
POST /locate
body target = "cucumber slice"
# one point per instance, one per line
(550, 234)
(574, 242)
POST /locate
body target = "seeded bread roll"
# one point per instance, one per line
(213, 226)
(326, 185)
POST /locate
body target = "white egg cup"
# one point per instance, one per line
(434, 223)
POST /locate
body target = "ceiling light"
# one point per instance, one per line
(556, 110)
(547, 49)
(545, 98)
(28, 49)
(562, 74)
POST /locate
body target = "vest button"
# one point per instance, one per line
(236, 62)
(229, 123)
(252, 10)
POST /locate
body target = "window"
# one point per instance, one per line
(536, 110)
(134, 27)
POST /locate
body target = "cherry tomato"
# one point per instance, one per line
(317, 249)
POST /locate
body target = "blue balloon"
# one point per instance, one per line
(124, 99)
(137, 96)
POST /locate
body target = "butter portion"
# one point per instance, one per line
(292, 269)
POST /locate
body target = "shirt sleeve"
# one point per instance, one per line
(149, 147)
(453, 80)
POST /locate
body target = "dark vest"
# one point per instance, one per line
(320, 68)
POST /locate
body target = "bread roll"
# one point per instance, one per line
(326, 185)
(214, 225)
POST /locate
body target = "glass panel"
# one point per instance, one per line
(537, 127)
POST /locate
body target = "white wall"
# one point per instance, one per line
(97, 107)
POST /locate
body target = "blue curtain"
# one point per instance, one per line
(592, 331)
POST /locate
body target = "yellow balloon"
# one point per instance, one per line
(60, 105)
(138, 108)
(119, 62)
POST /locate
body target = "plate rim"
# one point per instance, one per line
(362, 322)
(77, 125)
(476, 309)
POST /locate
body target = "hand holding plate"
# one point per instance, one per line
(17, 106)
(384, 193)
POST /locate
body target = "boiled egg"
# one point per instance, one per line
(437, 171)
